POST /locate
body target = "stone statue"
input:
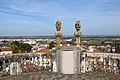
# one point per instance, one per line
(58, 25)
(77, 34)
(58, 34)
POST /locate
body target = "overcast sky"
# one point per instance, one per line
(38, 17)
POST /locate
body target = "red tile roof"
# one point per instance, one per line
(67, 45)
(6, 49)
(97, 50)
(46, 51)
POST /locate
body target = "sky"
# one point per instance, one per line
(38, 17)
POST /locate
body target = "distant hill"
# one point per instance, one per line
(53, 37)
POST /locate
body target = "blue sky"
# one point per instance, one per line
(38, 17)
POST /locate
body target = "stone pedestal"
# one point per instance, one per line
(67, 60)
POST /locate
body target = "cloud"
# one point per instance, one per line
(96, 15)
(34, 8)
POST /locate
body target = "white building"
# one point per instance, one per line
(5, 51)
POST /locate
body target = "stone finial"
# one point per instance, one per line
(58, 34)
(77, 34)
(58, 25)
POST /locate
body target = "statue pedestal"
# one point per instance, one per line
(67, 60)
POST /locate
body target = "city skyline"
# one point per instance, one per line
(38, 17)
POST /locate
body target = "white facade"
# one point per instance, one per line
(5, 52)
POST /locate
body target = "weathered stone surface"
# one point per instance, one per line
(45, 75)
(77, 34)
(58, 34)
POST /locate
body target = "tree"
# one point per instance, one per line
(27, 47)
(20, 47)
(117, 47)
(15, 43)
(14, 47)
(24, 47)
(51, 45)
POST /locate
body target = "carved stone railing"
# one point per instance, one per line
(106, 62)
(24, 63)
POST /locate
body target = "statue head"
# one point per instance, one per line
(58, 25)
(77, 25)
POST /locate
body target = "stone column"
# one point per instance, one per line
(58, 34)
(27, 66)
(118, 65)
(94, 62)
(115, 67)
(84, 70)
(101, 63)
(109, 65)
(97, 63)
(104, 64)
(77, 34)
(112, 65)
(22, 67)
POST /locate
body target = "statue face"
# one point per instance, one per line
(58, 25)
(77, 25)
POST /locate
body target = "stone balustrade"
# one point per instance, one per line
(106, 62)
(26, 63)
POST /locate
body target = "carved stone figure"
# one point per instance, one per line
(78, 34)
(58, 34)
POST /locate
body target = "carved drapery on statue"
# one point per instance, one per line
(77, 34)
(58, 34)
